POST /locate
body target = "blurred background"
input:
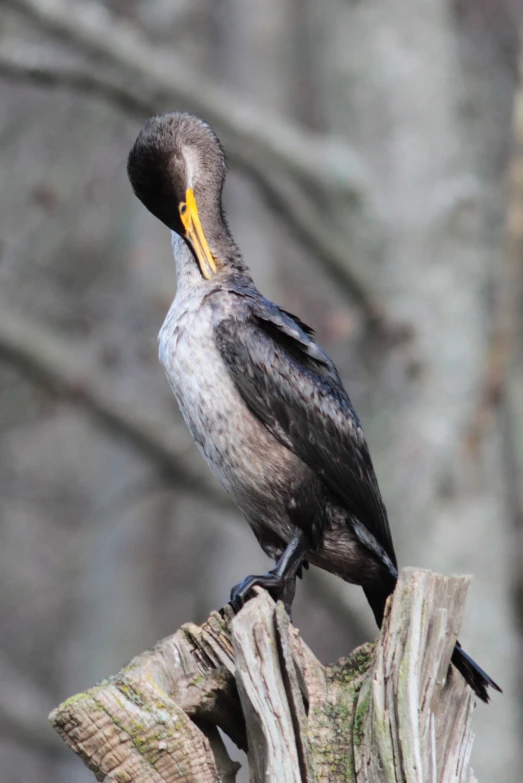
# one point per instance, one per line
(375, 186)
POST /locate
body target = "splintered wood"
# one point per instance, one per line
(390, 712)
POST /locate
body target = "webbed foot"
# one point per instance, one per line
(272, 581)
(280, 581)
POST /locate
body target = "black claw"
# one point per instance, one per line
(281, 581)
(240, 592)
(276, 585)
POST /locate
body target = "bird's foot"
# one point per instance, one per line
(279, 587)
(281, 580)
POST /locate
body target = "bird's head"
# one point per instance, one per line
(177, 169)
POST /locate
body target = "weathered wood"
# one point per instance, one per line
(392, 711)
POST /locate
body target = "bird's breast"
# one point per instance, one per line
(247, 460)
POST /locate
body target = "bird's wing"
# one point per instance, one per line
(292, 386)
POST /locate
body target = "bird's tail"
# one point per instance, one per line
(479, 681)
(473, 674)
(377, 593)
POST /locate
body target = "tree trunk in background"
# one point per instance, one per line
(405, 88)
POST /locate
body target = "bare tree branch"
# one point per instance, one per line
(320, 162)
(18, 62)
(52, 362)
(329, 246)
(21, 63)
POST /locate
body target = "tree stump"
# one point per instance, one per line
(392, 711)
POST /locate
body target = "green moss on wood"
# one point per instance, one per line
(336, 718)
(362, 710)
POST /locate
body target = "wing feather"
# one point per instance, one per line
(292, 386)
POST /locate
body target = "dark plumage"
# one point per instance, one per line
(263, 401)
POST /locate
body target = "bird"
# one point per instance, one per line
(263, 401)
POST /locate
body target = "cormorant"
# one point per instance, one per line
(263, 401)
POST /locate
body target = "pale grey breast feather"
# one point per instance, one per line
(225, 430)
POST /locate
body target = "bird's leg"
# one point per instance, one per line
(281, 580)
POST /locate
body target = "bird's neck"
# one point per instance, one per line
(188, 274)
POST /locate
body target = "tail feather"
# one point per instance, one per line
(473, 674)
(377, 594)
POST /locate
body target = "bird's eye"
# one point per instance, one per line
(183, 208)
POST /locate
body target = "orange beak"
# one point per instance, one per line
(194, 233)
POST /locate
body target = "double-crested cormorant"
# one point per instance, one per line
(263, 401)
